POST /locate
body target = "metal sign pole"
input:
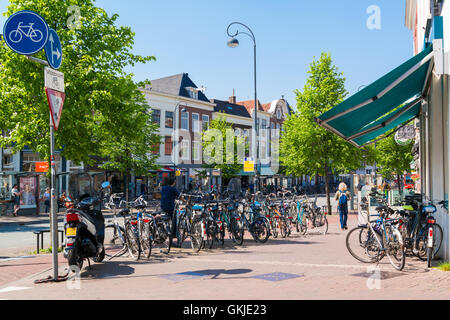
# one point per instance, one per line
(53, 207)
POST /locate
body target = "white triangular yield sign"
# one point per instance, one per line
(55, 102)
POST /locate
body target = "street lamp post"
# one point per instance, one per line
(174, 134)
(233, 43)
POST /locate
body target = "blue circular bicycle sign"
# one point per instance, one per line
(25, 32)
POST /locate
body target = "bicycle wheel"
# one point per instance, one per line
(181, 231)
(117, 240)
(302, 225)
(283, 227)
(422, 241)
(221, 234)
(146, 240)
(274, 227)
(362, 245)
(260, 231)
(237, 231)
(133, 243)
(196, 236)
(321, 223)
(394, 248)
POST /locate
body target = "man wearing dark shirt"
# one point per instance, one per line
(168, 196)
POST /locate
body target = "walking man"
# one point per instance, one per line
(343, 196)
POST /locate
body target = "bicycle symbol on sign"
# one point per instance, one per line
(28, 31)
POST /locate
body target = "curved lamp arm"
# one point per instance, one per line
(251, 35)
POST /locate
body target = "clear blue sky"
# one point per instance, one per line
(190, 36)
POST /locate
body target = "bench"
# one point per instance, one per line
(40, 236)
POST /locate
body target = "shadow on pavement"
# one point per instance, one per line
(217, 272)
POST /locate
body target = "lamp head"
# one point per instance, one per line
(233, 43)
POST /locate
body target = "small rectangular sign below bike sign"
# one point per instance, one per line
(54, 79)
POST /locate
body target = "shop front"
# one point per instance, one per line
(414, 90)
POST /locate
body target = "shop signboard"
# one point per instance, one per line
(41, 167)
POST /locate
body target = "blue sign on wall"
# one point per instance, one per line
(53, 50)
(25, 32)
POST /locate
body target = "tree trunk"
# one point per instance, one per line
(399, 183)
(327, 190)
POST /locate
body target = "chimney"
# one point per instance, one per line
(233, 98)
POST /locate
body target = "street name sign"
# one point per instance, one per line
(53, 50)
(25, 32)
(55, 103)
(54, 79)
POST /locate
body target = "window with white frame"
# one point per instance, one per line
(278, 114)
(195, 122)
(185, 120)
(196, 150)
(205, 122)
(185, 149)
(193, 94)
(263, 127)
(272, 130)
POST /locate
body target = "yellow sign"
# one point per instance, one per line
(178, 173)
(249, 166)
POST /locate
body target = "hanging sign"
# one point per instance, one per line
(405, 135)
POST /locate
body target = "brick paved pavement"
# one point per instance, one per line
(307, 267)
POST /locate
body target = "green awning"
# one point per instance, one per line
(386, 104)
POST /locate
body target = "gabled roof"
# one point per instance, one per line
(176, 85)
(230, 108)
(250, 105)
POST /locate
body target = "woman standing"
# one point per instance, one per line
(343, 196)
(16, 199)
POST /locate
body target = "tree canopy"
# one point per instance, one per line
(305, 147)
(216, 153)
(104, 109)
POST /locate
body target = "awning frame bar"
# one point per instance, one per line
(385, 91)
(390, 134)
(388, 121)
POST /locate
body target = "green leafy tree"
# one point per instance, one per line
(393, 159)
(305, 147)
(214, 141)
(104, 110)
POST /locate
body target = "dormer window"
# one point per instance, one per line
(193, 93)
